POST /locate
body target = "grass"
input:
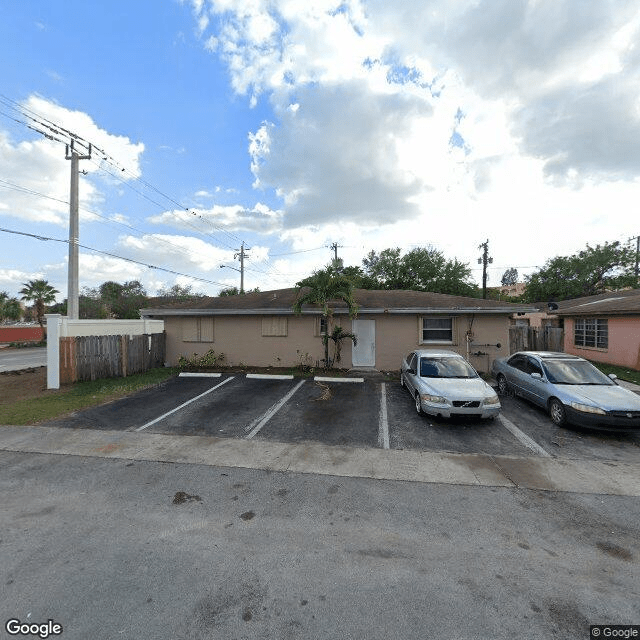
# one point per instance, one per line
(79, 396)
(630, 375)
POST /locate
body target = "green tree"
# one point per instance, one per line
(421, 269)
(123, 301)
(178, 293)
(509, 277)
(337, 336)
(591, 271)
(234, 291)
(9, 307)
(41, 293)
(324, 288)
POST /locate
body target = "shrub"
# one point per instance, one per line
(209, 359)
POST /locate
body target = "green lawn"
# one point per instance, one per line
(630, 375)
(80, 395)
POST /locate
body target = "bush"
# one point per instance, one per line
(209, 359)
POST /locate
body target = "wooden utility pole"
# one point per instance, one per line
(73, 296)
(484, 261)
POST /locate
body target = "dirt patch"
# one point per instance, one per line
(24, 385)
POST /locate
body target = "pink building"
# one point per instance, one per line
(604, 328)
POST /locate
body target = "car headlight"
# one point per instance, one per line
(587, 408)
(427, 397)
(492, 400)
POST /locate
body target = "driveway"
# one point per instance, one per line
(16, 359)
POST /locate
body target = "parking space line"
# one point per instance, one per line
(383, 427)
(184, 404)
(523, 437)
(268, 376)
(330, 379)
(260, 421)
(187, 374)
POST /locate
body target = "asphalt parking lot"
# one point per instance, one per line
(367, 412)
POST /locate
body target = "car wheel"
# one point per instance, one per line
(503, 385)
(557, 412)
(419, 405)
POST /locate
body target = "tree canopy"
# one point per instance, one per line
(590, 271)
(421, 269)
(509, 277)
(41, 293)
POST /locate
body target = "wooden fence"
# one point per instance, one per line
(95, 357)
(522, 337)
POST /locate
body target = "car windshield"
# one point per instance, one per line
(446, 368)
(574, 372)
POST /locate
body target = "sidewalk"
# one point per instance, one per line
(548, 474)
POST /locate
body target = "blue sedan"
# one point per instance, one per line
(570, 388)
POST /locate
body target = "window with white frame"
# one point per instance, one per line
(591, 332)
(197, 330)
(437, 330)
(321, 326)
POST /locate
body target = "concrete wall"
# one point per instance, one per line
(72, 328)
(240, 339)
(20, 334)
(624, 342)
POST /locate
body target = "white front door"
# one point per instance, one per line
(364, 353)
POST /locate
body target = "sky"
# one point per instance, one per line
(289, 126)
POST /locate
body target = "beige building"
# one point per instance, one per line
(260, 329)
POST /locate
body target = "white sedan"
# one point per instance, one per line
(444, 384)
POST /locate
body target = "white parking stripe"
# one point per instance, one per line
(383, 427)
(523, 437)
(259, 422)
(268, 376)
(187, 374)
(184, 404)
(329, 379)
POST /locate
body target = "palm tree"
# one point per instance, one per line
(323, 288)
(338, 335)
(41, 293)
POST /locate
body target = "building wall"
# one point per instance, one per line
(240, 339)
(624, 342)
(20, 334)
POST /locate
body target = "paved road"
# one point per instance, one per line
(121, 548)
(15, 359)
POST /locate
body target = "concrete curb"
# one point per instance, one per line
(548, 474)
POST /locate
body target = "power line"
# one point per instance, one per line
(113, 255)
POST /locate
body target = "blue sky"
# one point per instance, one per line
(290, 125)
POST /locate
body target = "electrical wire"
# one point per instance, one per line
(113, 255)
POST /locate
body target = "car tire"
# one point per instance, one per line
(557, 412)
(503, 385)
(419, 410)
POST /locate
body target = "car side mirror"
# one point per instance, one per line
(411, 371)
(613, 376)
(536, 376)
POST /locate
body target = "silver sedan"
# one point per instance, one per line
(442, 383)
(570, 388)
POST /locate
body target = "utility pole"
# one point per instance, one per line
(241, 255)
(337, 263)
(74, 226)
(485, 260)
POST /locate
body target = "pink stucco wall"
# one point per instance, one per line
(624, 343)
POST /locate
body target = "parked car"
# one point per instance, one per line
(444, 384)
(570, 388)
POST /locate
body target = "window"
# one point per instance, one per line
(437, 330)
(197, 330)
(274, 326)
(321, 326)
(591, 332)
